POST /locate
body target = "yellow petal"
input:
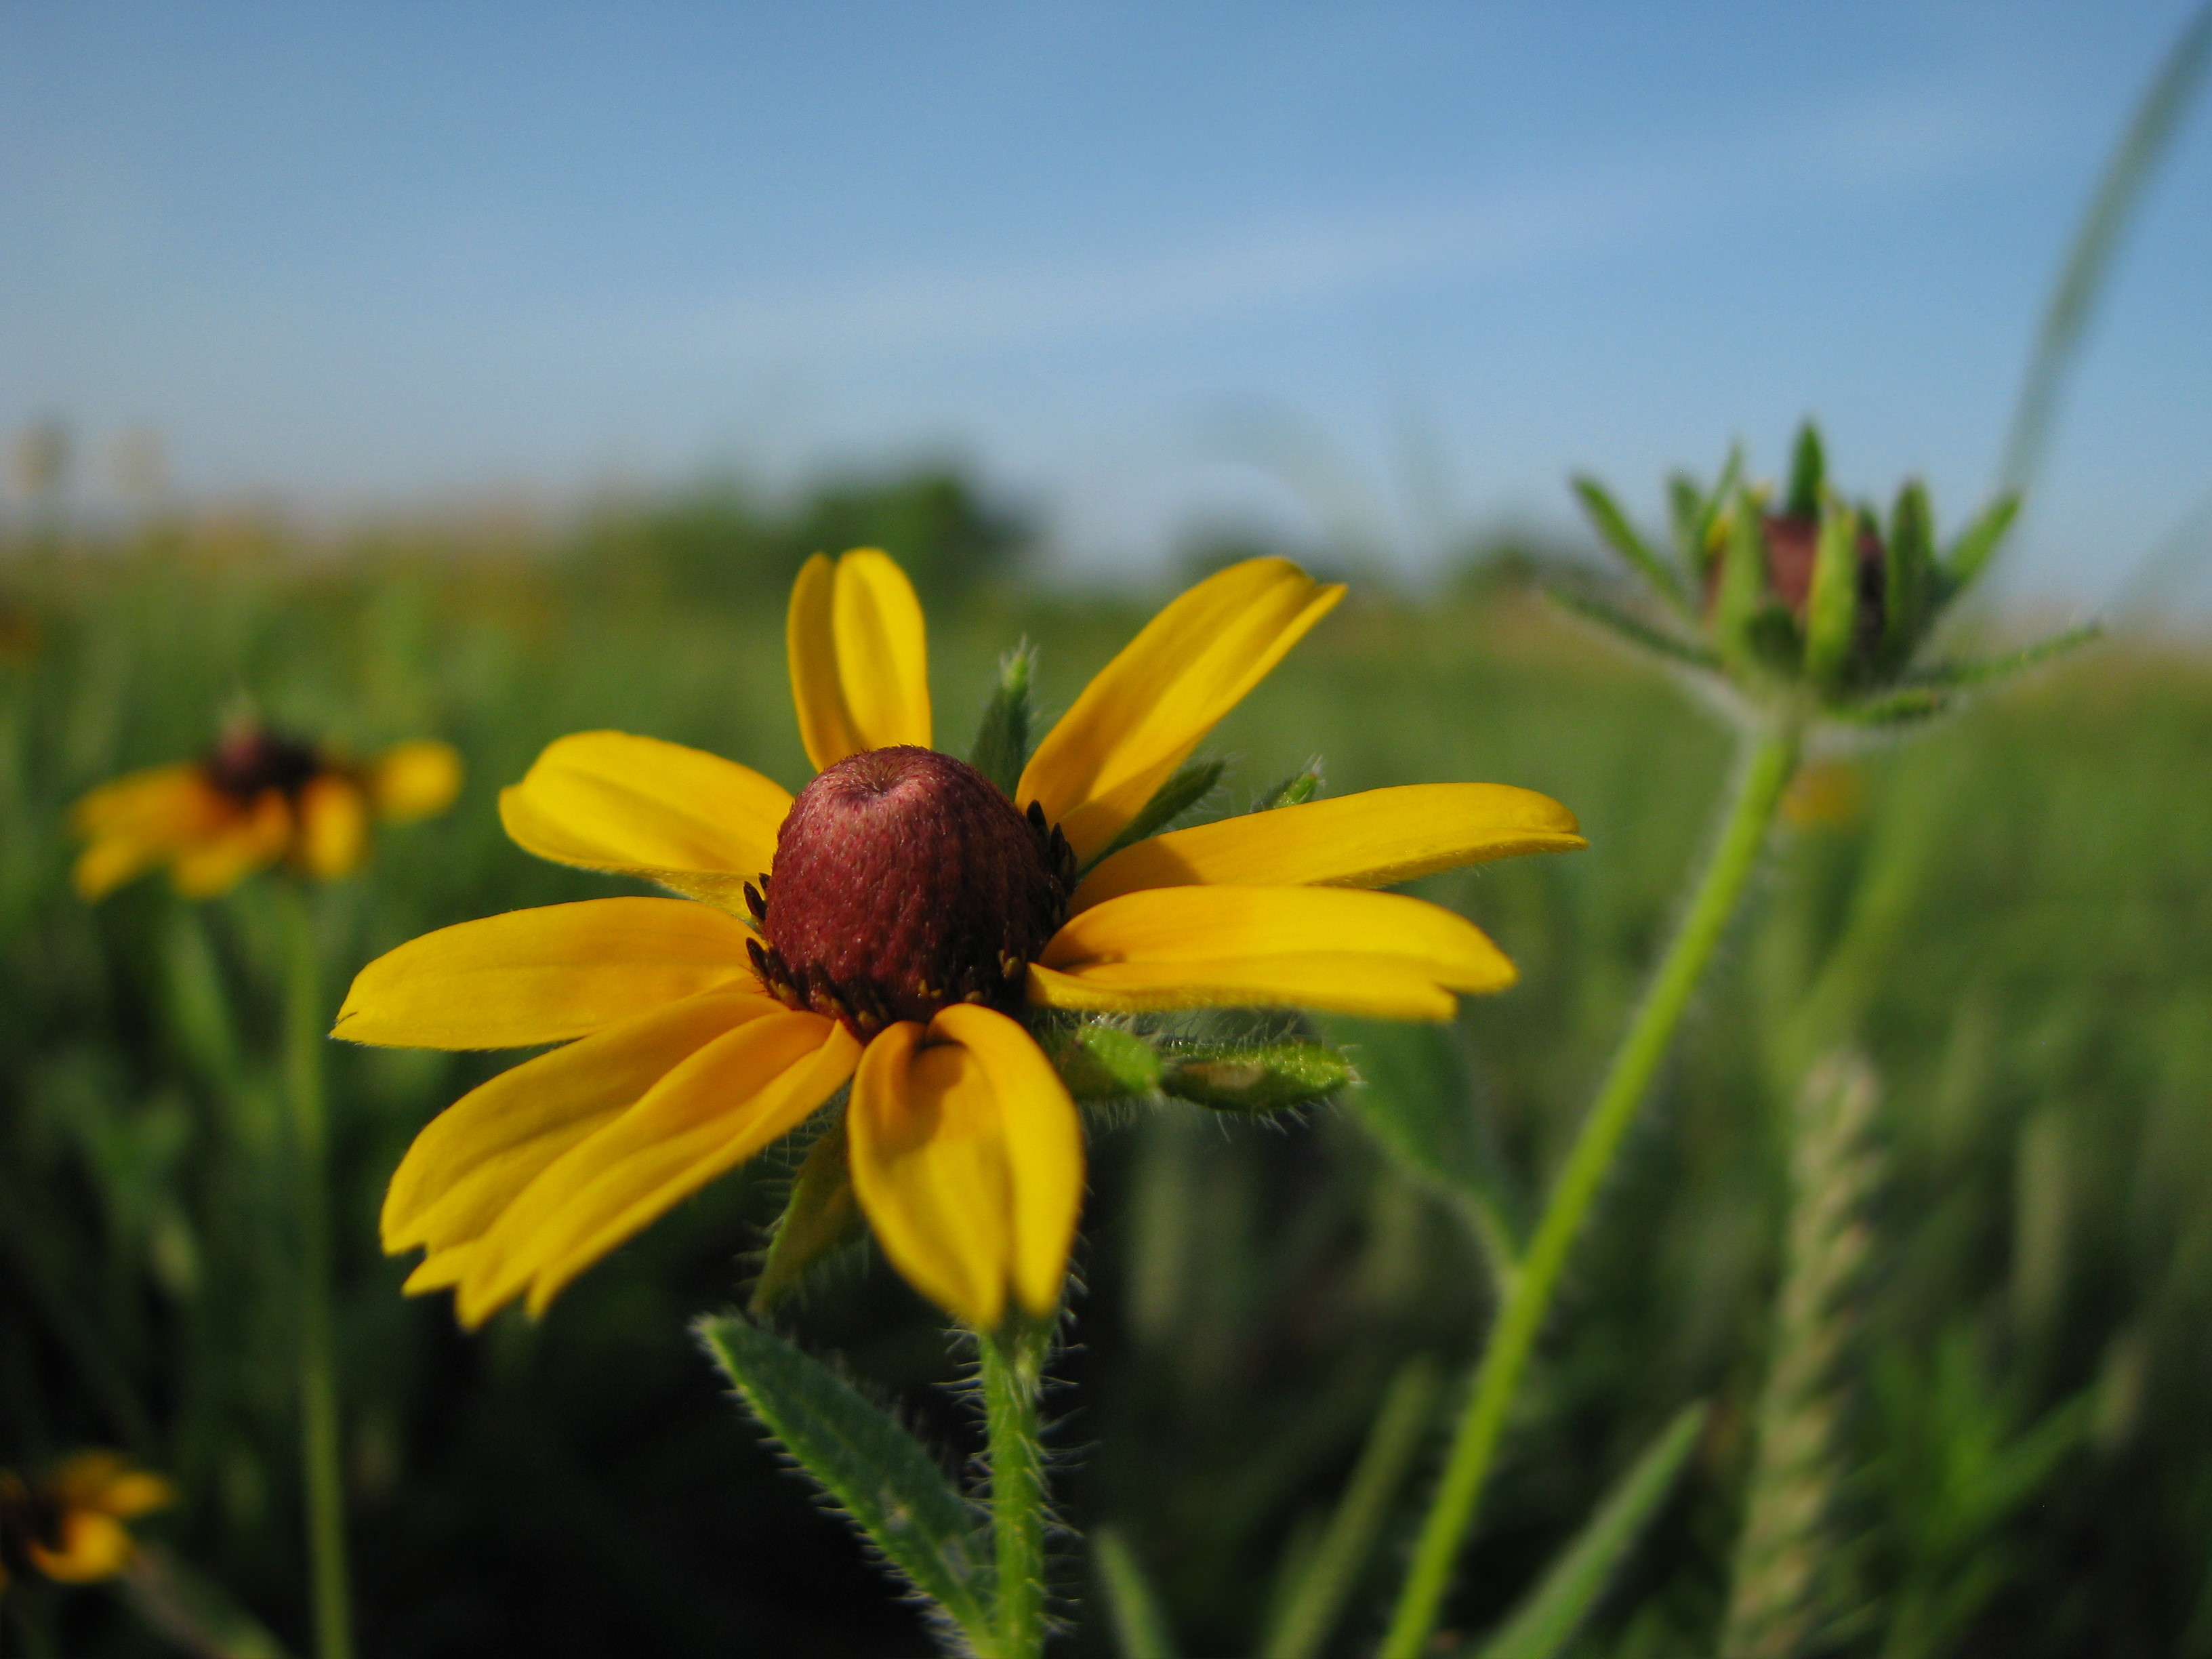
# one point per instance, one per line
(1148, 709)
(544, 975)
(471, 1160)
(417, 780)
(688, 819)
(860, 657)
(1374, 839)
(92, 1546)
(163, 803)
(967, 1157)
(107, 864)
(732, 1097)
(1379, 988)
(333, 827)
(256, 839)
(107, 1481)
(1319, 947)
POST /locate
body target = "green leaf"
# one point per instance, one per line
(882, 1478)
(1554, 1610)
(1140, 1628)
(1715, 504)
(1253, 1077)
(1002, 741)
(1832, 614)
(822, 1218)
(1908, 588)
(1977, 542)
(1329, 1574)
(1743, 583)
(1296, 790)
(1192, 783)
(1612, 524)
(1808, 475)
(1638, 634)
(1954, 676)
(1098, 1061)
(191, 1610)
(1686, 517)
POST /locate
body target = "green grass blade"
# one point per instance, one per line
(1140, 1626)
(1556, 1609)
(2148, 135)
(884, 1479)
(1409, 1410)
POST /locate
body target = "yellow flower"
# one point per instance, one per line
(69, 1526)
(257, 797)
(889, 926)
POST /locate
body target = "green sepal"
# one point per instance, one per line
(1977, 542)
(821, 1219)
(1808, 475)
(1831, 613)
(1908, 590)
(1641, 635)
(887, 1483)
(1723, 490)
(1098, 1061)
(1550, 1616)
(1193, 782)
(1743, 592)
(1296, 790)
(1002, 741)
(1954, 676)
(1686, 517)
(1621, 536)
(1253, 1077)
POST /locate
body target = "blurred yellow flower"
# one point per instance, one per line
(1826, 794)
(257, 797)
(69, 1527)
(887, 926)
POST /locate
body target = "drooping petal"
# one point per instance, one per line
(138, 821)
(1323, 947)
(606, 800)
(544, 975)
(417, 780)
(967, 1157)
(1148, 709)
(109, 1483)
(472, 1159)
(92, 1546)
(256, 839)
(333, 827)
(726, 1102)
(1377, 838)
(860, 657)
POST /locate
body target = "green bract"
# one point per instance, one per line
(1808, 602)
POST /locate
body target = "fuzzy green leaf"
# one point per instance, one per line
(1715, 504)
(1002, 741)
(1253, 1077)
(1977, 542)
(1099, 1062)
(1638, 634)
(884, 1480)
(1554, 1610)
(1192, 783)
(1621, 536)
(822, 1218)
(1908, 589)
(1955, 676)
(1832, 615)
(1808, 475)
(1743, 583)
(1140, 1627)
(1296, 790)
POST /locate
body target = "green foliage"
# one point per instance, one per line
(1189, 785)
(1139, 1625)
(1621, 536)
(821, 1219)
(884, 1480)
(1002, 741)
(1099, 1060)
(1253, 1077)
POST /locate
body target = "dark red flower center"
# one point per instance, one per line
(252, 759)
(905, 881)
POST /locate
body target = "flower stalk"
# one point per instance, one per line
(1766, 772)
(1013, 1376)
(304, 1015)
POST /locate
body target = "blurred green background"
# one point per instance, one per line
(2011, 917)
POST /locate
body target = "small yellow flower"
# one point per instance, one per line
(69, 1527)
(257, 797)
(888, 927)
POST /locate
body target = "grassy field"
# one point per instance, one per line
(2010, 919)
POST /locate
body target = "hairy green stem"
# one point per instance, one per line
(306, 1020)
(1013, 1374)
(1766, 772)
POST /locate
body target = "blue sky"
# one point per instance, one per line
(1396, 267)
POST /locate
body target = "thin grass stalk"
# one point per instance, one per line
(1763, 776)
(1013, 1377)
(306, 1020)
